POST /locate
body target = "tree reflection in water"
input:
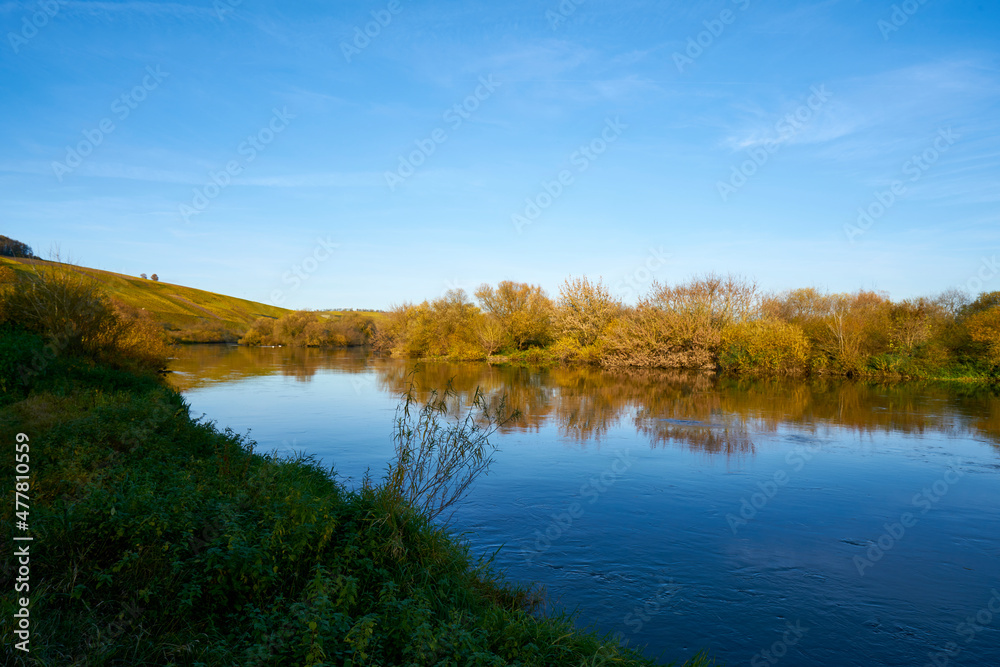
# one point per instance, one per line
(699, 410)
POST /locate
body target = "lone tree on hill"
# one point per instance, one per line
(142, 275)
(154, 277)
(11, 248)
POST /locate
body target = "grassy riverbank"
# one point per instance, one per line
(164, 540)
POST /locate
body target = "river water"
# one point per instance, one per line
(771, 522)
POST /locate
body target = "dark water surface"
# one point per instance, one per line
(773, 522)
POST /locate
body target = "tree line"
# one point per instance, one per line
(12, 248)
(710, 322)
(304, 328)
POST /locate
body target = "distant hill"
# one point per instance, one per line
(190, 314)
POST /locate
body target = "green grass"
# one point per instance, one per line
(163, 540)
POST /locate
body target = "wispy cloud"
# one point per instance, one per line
(107, 9)
(625, 87)
(890, 102)
(539, 60)
(323, 180)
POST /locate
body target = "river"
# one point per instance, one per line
(772, 522)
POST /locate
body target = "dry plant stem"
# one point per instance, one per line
(436, 464)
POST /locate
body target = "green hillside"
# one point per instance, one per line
(188, 313)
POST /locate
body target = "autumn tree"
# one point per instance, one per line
(290, 329)
(722, 299)
(261, 332)
(798, 306)
(983, 302)
(857, 327)
(455, 322)
(584, 310)
(392, 328)
(952, 302)
(914, 323)
(523, 311)
(984, 330)
(681, 326)
(489, 334)
(649, 336)
(766, 345)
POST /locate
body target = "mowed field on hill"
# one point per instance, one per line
(180, 309)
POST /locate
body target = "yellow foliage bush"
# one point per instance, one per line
(584, 311)
(77, 317)
(451, 326)
(984, 329)
(129, 334)
(261, 332)
(652, 337)
(767, 346)
(303, 328)
(523, 311)
(568, 348)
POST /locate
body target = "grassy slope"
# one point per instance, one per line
(175, 306)
(161, 540)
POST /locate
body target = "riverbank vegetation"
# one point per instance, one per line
(159, 539)
(305, 328)
(712, 322)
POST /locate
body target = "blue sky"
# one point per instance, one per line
(277, 152)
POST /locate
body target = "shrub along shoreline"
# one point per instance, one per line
(720, 323)
(162, 540)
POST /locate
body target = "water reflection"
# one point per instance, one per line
(697, 410)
